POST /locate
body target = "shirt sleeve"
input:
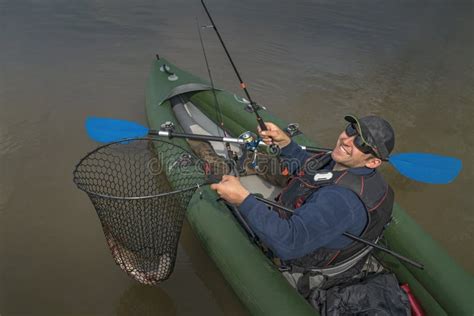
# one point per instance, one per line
(318, 223)
(293, 157)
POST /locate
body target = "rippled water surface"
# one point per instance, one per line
(308, 61)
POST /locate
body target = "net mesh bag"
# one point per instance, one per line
(140, 190)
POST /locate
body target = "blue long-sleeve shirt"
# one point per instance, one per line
(319, 222)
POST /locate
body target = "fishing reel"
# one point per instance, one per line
(251, 142)
(167, 126)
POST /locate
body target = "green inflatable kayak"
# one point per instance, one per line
(174, 95)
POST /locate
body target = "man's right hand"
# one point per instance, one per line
(274, 135)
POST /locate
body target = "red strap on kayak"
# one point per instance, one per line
(416, 309)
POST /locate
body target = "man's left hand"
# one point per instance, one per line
(231, 190)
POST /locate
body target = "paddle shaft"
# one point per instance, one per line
(219, 139)
(242, 84)
(353, 237)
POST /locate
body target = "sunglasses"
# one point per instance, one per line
(359, 142)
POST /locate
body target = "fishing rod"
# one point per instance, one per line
(231, 156)
(351, 236)
(209, 73)
(242, 84)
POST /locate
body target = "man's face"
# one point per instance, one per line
(347, 154)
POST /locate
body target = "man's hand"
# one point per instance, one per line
(274, 135)
(231, 190)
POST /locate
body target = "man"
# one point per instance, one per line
(331, 193)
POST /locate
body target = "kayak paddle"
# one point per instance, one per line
(422, 167)
(428, 168)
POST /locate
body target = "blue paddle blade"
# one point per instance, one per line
(105, 130)
(427, 168)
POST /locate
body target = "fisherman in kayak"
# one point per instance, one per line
(331, 193)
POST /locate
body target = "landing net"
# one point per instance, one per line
(140, 189)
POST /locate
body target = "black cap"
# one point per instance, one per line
(376, 132)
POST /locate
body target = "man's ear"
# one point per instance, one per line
(373, 162)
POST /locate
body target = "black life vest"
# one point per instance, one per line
(376, 195)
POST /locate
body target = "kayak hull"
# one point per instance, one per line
(443, 287)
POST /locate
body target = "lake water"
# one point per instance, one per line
(310, 62)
